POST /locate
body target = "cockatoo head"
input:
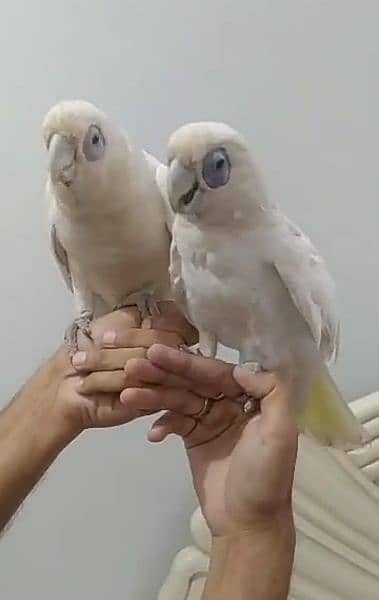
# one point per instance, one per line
(211, 175)
(83, 148)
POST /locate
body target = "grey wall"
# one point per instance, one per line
(300, 79)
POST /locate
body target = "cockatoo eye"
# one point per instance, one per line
(216, 168)
(94, 144)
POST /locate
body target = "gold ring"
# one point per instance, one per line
(204, 410)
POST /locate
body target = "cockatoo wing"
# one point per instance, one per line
(304, 274)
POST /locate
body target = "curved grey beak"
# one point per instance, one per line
(62, 152)
(182, 186)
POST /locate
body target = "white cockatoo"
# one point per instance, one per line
(108, 218)
(248, 278)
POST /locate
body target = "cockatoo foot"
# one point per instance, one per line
(195, 350)
(145, 302)
(80, 324)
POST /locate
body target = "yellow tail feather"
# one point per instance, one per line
(328, 418)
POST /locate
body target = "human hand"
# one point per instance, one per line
(242, 468)
(57, 402)
(89, 393)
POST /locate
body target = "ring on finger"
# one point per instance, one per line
(205, 409)
(249, 405)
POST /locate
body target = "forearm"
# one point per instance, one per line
(253, 565)
(32, 434)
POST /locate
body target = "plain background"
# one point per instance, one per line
(300, 80)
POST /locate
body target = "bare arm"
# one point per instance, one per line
(253, 565)
(242, 465)
(32, 434)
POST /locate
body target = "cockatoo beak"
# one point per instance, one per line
(182, 186)
(62, 154)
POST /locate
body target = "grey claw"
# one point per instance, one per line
(145, 304)
(253, 367)
(83, 324)
(143, 310)
(184, 348)
(152, 307)
(148, 307)
(188, 350)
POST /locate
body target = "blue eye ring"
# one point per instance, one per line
(216, 168)
(94, 144)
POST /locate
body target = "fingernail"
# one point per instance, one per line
(124, 397)
(239, 373)
(109, 338)
(79, 359)
(147, 323)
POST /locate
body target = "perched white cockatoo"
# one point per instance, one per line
(109, 221)
(248, 278)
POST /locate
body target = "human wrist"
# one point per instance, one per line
(278, 523)
(33, 432)
(36, 409)
(65, 415)
(254, 521)
(255, 562)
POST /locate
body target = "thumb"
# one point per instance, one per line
(275, 393)
(257, 385)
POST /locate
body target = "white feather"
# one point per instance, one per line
(111, 222)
